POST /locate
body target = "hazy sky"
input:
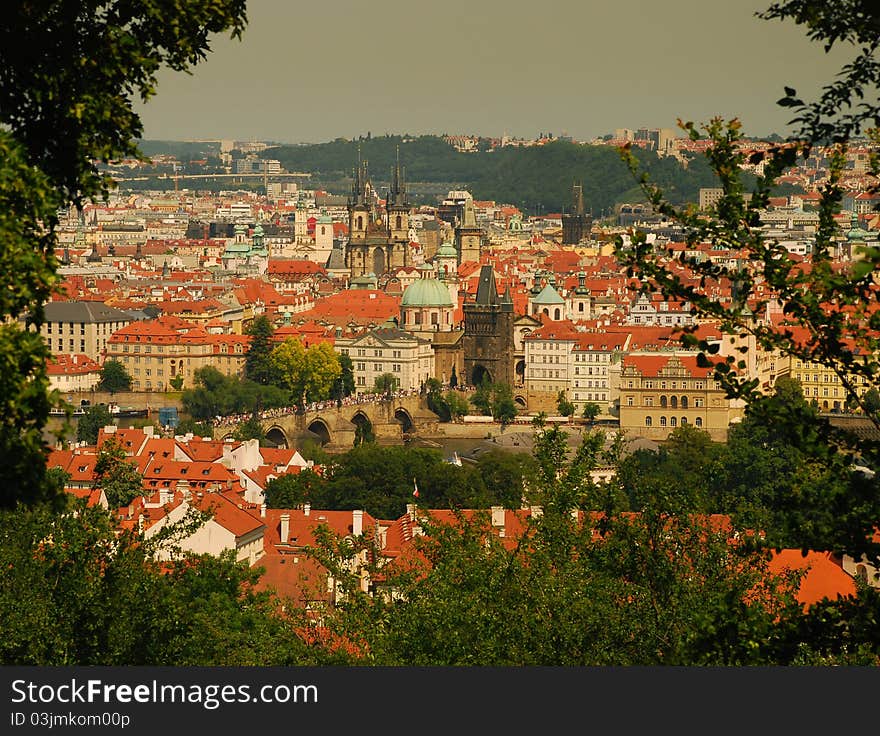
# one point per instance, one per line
(315, 71)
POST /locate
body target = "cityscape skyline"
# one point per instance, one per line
(310, 74)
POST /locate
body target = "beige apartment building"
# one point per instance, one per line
(153, 352)
(561, 358)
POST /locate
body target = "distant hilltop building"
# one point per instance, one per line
(710, 196)
(660, 140)
(463, 143)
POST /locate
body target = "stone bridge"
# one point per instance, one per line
(390, 421)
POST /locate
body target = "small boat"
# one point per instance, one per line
(127, 411)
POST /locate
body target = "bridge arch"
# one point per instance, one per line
(276, 437)
(405, 418)
(363, 428)
(319, 427)
(520, 401)
(479, 374)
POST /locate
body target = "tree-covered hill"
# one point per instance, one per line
(537, 178)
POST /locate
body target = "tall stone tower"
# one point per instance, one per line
(576, 225)
(488, 341)
(360, 215)
(469, 238)
(397, 219)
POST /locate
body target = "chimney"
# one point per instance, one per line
(262, 510)
(498, 516)
(357, 522)
(285, 528)
(307, 509)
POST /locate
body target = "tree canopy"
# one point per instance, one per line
(95, 418)
(826, 309)
(308, 374)
(258, 366)
(114, 377)
(69, 75)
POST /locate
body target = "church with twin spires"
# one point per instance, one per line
(377, 243)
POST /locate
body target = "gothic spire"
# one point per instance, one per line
(578, 196)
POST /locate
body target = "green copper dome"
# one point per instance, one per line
(447, 250)
(426, 293)
(856, 234)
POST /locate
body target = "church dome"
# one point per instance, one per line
(426, 293)
(447, 250)
(856, 234)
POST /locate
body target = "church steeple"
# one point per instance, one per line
(360, 184)
(576, 226)
(468, 235)
(397, 193)
(469, 217)
(397, 206)
(578, 197)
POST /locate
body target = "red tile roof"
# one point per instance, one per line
(825, 578)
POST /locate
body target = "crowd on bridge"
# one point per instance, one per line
(353, 400)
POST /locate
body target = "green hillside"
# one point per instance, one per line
(536, 179)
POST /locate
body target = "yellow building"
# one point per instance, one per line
(819, 383)
(659, 392)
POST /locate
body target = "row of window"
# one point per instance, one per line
(672, 421)
(70, 330)
(102, 328)
(826, 378)
(673, 402)
(82, 346)
(161, 348)
(694, 385)
(667, 320)
(535, 373)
